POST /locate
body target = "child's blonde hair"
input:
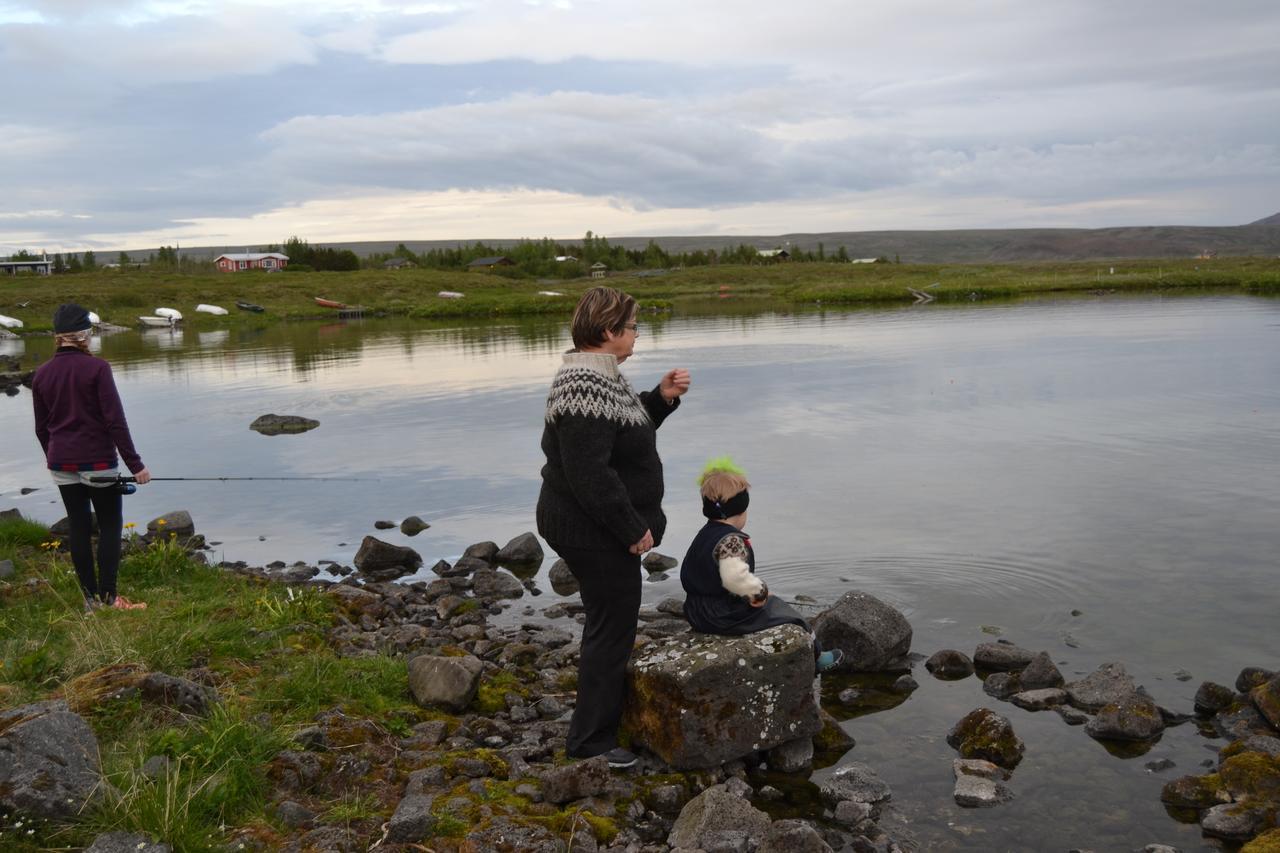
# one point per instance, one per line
(721, 479)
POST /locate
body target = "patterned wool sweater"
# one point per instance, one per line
(602, 484)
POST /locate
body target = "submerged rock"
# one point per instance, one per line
(949, 665)
(855, 782)
(282, 424)
(977, 792)
(874, 636)
(699, 700)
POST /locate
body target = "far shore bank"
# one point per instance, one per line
(119, 297)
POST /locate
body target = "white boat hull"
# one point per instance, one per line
(210, 309)
(156, 322)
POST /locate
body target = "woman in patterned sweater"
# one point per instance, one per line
(600, 507)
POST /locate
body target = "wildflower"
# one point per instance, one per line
(130, 525)
(160, 522)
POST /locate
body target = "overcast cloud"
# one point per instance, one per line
(203, 122)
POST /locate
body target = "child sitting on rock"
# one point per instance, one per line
(722, 593)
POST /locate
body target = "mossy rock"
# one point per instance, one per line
(1194, 792)
(1267, 842)
(1252, 777)
(985, 734)
(1266, 698)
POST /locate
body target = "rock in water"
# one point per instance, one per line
(854, 782)
(1108, 683)
(495, 583)
(522, 550)
(1135, 717)
(949, 665)
(562, 580)
(699, 700)
(873, 636)
(282, 424)
(177, 522)
(376, 557)
(655, 562)
(1002, 657)
(983, 733)
(413, 525)
(1266, 698)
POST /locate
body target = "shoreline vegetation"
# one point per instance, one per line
(119, 296)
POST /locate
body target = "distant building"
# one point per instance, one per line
(560, 259)
(599, 270)
(39, 266)
(863, 260)
(773, 254)
(241, 261)
(1206, 255)
(487, 264)
(398, 264)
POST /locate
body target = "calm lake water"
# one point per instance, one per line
(984, 468)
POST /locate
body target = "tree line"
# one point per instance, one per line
(544, 258)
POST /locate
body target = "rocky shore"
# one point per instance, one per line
(482, 767)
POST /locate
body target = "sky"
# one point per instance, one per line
(194, 122)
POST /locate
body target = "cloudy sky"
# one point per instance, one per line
(198, 122)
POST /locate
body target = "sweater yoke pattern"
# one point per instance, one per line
(588, 392)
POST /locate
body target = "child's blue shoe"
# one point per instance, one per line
(829, 660)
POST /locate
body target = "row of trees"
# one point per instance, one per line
(545, 258)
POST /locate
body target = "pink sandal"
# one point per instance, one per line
(122, 603)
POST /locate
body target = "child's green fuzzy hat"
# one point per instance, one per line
(720, 464)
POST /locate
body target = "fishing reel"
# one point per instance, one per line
(120, 484)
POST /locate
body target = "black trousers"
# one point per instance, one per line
(609, 582)
(106, 503)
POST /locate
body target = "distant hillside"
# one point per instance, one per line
(967, 246)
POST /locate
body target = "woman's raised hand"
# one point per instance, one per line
(645, 544)
(674, 384)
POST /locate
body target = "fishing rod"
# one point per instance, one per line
(127, 487)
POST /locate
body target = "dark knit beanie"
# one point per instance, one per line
(70, 318)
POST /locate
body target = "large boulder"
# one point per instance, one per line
(1108, 683)
(384, 561)
(874, 636)
(449, 682)
(48, 762)
(1041, 674)
(562, 579)
(699, 700)
(714, 814)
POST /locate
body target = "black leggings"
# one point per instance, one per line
(107, 505)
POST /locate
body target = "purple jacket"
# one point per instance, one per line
(79, 417)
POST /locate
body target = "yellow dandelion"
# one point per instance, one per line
(160, 522)
(130, 525)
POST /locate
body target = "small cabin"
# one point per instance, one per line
(487, 264)
(599, 270)
(398, 264)
(240, 261)
(773, 254)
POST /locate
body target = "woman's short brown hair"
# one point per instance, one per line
(600, 310)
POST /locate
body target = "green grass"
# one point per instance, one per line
(265, 646)
(120, 296)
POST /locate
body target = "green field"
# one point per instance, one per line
(120, 296)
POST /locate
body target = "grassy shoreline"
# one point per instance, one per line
(120, 296)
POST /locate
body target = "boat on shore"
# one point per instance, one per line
(249, 306)
(330, 303)
(204, 308)
(172, 313)
(10, 322)
(153, 322)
